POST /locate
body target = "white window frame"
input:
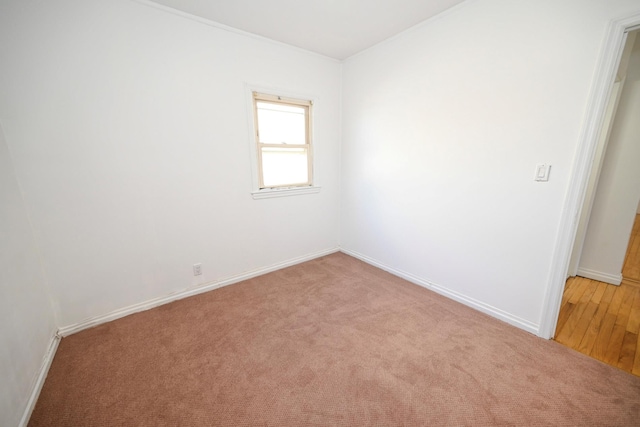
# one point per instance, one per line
(259, 190)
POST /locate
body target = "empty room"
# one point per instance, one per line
(311, 213)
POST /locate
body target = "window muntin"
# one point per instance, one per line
(283, 137)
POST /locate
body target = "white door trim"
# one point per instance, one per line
(598, 99)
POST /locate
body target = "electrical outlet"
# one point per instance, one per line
(197, 269)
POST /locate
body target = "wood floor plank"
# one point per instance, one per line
(636, 359)
(631, 251)
(565, 313)
(597, 295)
(569, 288)
(581, 285)
(601, 344)
(631, 268)
(582, 326)
(576, 315)
(615, 345)
(628, 351)
(602, 321)
(571, 285)
(625, 307)
(586, 345)
(633, 325)
(617, 299)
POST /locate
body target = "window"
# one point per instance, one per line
(283, 138)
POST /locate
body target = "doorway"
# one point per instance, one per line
(600, 308)
(596, 108)
(613, 191)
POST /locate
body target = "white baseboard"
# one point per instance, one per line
(205, 287)
(42, 375)
(468, 301)
(613, 279)
(68, 330)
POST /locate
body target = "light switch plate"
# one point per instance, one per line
(542, 172)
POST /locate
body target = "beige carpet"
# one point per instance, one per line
(331, 342)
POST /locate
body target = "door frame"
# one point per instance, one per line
(602, 86)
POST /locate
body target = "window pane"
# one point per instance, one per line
(284, 166)
(281, 124)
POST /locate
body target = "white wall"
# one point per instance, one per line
(594, 176)
(442, 129)
(27, 320)
(616, 201)
(130, 133)
(600, 150)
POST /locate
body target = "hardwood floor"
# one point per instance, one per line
(602, 321)
(631, 269)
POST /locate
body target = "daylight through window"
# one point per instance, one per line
(283, 136)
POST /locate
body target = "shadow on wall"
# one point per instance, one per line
(615, 203)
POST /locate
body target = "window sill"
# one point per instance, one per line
(268, 193)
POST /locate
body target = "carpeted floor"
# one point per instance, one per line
(331, 342)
